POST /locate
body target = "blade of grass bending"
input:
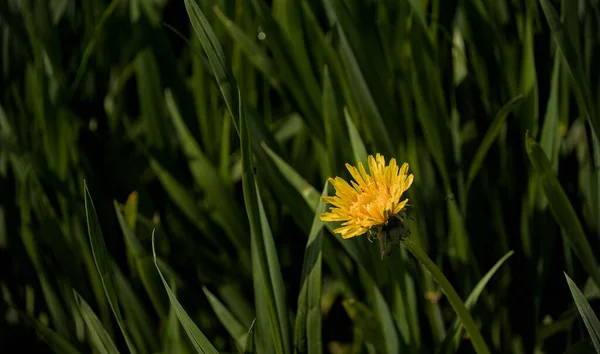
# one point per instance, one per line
(231, 324)
(200, 342)
(308, 317)
(266, 274)
(53, 339)
(561, 209)
(103, 264)
(489, 138)
(574, 65)
(587, 313)
(98, 335)
(450, 343)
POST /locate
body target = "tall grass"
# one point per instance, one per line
(162, 163)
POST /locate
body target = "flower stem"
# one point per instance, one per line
(453, 298)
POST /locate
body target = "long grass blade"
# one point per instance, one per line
(562, 210)
(200, 342)
(587, 313)
(103, 264)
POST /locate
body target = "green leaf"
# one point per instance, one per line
(358, 147)
(370, 112)
(206, 175)
(255, 54)
(200, 342)
(587, 313)
(216, 57)
(98, 336)
(103, 264)
(490, 136)
(53, 339)
(573, 63)
(309, 193)
(137, 318)
(144, 265)
(561, 209)
(453, 335)
(249, 347)
(181, 197)
(231, 324)
(308, 317)
(266, 274)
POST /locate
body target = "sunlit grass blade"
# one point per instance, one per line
(587, 313)
(98, 336)
(53, 339)
(308, 317)
(561, 209)
(266, 274)
(103, 264)
(453, 335)
(200, 342)
(489, 137)
(231, 324)
(574, 64)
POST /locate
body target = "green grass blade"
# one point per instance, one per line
(53, 339)
(359, 150)
(550, 136)
(309, 193)
(453, 335)
(490, 136)
(231, 324)
(181, 197)
(370, 113)
(268, 284)
(98, 336)
(200, 342)
(255, 54)
(574, 64)
(562, 210)
(216, 57)
(206, 175)
(249, 348)
(139, 322)
(587, 313)
(103, 264)
(307, 337)
(144, 265)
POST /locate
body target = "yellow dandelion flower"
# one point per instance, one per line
(371, 199)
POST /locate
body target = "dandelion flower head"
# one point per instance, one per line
(370, 200)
